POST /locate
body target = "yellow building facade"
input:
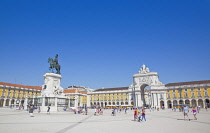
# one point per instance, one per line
(195, 93)
(18, 95)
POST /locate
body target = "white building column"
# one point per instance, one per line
(139, 102)
(88, 100)
(10, 102)
(19, 102)
(33, 99)
(56, 104)
(172, 103)
(4, 103)
(204, 103)
(196, 102)
(156, 99)
(26, 103)
(129, 99)
(165, 100)
(15, 103)
(76, 101)
(69, 102)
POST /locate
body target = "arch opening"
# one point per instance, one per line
(145, 95)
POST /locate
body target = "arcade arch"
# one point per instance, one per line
(207, 102)
(169, 104)
(200, 103)
(161, 103)
(175, 103)
(187, 103)
(194, 103)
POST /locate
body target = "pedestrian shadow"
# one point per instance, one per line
(185, 119)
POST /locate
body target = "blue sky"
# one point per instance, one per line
(103, 43)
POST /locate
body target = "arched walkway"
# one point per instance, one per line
(132, 103)
(13, 101)
(122, 103)
(169, 104)
(200, 103)
(175, 104)
(187, 103)
(207, 103)
(1, 102)
(161, 103)
(143, 88)
(7, 102)
(193, 103)
(181, 102)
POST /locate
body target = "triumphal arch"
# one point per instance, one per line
(146, 89)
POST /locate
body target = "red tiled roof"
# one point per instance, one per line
(69, 91)
(113, 89)
(82, 92)
(189, 83)
(74, 91)
(23, 86)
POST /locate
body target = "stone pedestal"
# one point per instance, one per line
(52, 93)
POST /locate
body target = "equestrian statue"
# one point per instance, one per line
(54, 64)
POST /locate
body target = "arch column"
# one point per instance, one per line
(156, 101)
(19, 103)
(15, 104)
(88, 100)
(69, 101)
(129, 99)
(197, 102)
(172, 103)
(165, 100)
(26, 102)
(10, 100)
(139, 102)
(76, 101)
(4, 103)
(204, 103)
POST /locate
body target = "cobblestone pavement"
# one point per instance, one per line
(164, 121)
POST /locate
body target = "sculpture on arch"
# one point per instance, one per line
(144, 69)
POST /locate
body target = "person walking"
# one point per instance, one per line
(31, 111)
(186, 111)
(206, 108)
(134, 115)
(39, 110)
(194, 113)
(95, 111)
(143, 115)
(48, 110)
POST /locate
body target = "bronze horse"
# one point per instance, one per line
(54, 64)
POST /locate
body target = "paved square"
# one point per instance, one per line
(14, 121)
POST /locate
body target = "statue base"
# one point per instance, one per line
(52, 94)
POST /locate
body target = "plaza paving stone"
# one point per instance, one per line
(163, 121)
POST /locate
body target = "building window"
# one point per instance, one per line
(192, 92)
(168, 94)
(199, 92)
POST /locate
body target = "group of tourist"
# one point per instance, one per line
(81, 110)
(139, 114)
(194, 111)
